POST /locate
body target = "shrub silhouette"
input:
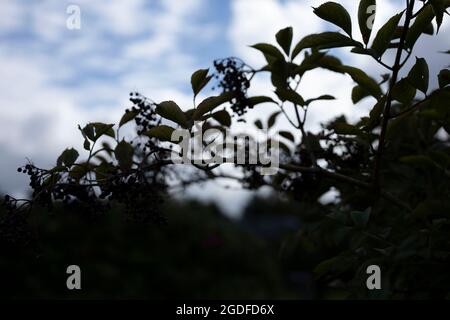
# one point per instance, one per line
(391, 168)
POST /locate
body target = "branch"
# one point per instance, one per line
(387, 109)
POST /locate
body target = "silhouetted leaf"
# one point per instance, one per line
(362, 79)
(272, 119)
(259, 99)
(223, 117)
(384, 35)
(325, 40)
(359, 93)
(269, 50)
(444, 78)
(288, 135)
(199, 80)
(419, 26)
(124, 154)
(366, 17)
(68, 157)
(209, 104)
(161, 132)
(284, 39)
(128, 116)
(290, 95)
(419, 75)
(322, 97)
(403, 92)
(335, 13)
(171, 111)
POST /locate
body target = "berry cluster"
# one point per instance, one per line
(146, 117)
(231, 76)
(141, 196)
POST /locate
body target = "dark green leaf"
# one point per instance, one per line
(323, 97)
(272, 119)
(269, 51)
(384, 35)
(366, 18)
(103, 129)
(284, 39)
(161, 132)
(171, 111)
(335, 13)
(419, 26)
(439, 9)
(288, 135)
(199, 80)
(325, 40)
(359, 93)
(361, 78)
(223, 117)
(444, 78)
(419, 75)
(403, 92)
(290, 95)
(68, 157)
(128, 116)
(124, 154)
(209, 104)
(259, 99)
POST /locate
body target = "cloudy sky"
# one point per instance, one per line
(53, 78)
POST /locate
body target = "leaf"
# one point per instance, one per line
(88, 131)
(290, 95)
(269, 51)
(211, 103)
(68, 157)
(128, 116)
(359, 93)
(335, 13)
(403, 92)
(124, 154)
(199, 80)
(87, 145)
(360, 218)
(366, 18)
(419, 26)
(259, 99)
(322, 97)
(171, 111)
(419, 75)
(444, 78)
(325, 40)
(288, 135)
(259, 124)
(345, 129)
(361, 78)
(103, 129)
(79, 171)
(384, 35)
(439, 9)
(161, 132)
(284, 39)
(223, 117)
(272, 119)
(375, 114)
